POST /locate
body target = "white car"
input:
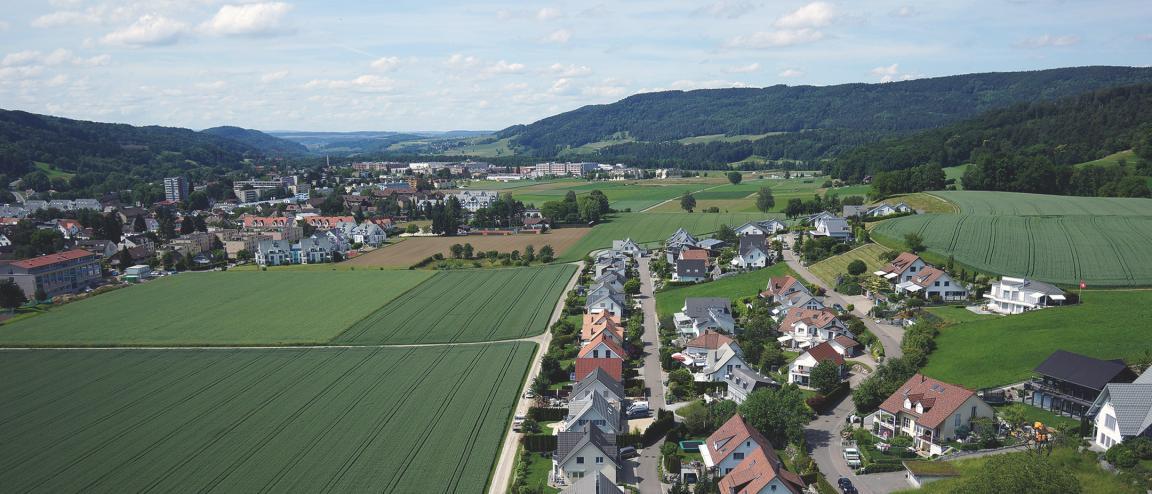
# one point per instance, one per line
(518, 422)
(852, 456)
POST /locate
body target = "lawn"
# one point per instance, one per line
(951, 314)
(253, 308)
(1083, 465)
(1068, 425)
(956, 173)
(1004, 350)
(1113, 159)
(277, 420)
(655, 228)
(467, 306)
(539, 466)
(828, 269)
(742, 197)
(414, 249)
(749, 284)
(53, 172)
(1101, 240)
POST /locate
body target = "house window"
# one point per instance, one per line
(957, 422)
(947, 283)
(937, 283)
(973, 416)
(1110, 422)
(595, 353)
(579, 460)
(907, 422)
(599, 460)
(737, 456)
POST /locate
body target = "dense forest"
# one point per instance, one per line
(855, 113)
(1023, 148)
(259, 141)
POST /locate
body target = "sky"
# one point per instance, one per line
(483, 65)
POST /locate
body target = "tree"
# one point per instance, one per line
(187, 225)
(735, 177)
(825, 377)
(125, 258)
(779, 414)
(139, 225)
(1018, 472)
(680, 383)
(764, 200)
(771, 358)
(914, 242)
(457, 251)
(468, 251)
(11, 296)
(726, 233)
(1015, 415)
(244, 255)
(794, 208)
(687, 202)
(40, 294)
(632, 286)
(546, 253)
(857, 267)
(529, 253)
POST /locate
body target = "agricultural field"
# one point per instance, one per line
(956, 173)
(655, 227)
(466, 306)
(1001, 350)
(248, 420)
(253, 308)
(1083, 465)
(750, 284)
(828, 269)
(1103, 241)
(726, 138)
(742, 197)
(1112, 159)
(922, 202)
(414, 249)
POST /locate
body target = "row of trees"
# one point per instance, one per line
(590, 208)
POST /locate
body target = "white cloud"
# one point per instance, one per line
(255, 19)
(1048, 40)
(503, 67)
(607, 88)
(548, 13)
(57, 81)
(20, 72)
(905, 11)
(273, 76)
(516, 86)
(729, 9)
(4, 25)
(365, 83)
(570, 70)
(891, 73)
(148, 30)
(458, 60)
(773, 39)
(386, 64)
(20, 58)
(65, 18)
(211, 86)
(743, 69)
(790, 73)
(561, 86)
(92, 61)
(58, 56)
(815, 14)
(1144, 37)
(559, 36)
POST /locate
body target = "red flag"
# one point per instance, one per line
(1083, 285)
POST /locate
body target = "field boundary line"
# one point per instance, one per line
(661, 203)
(956, 207)
(532, 339)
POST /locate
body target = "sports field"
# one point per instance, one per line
(656, 227)
(415, 249)
(466, 306)
(1103, 241)
(393, 420)
(252, 308)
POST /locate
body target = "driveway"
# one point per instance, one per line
(646, 470)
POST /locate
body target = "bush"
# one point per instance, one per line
(857, 268)
(900, 442)
(1122, 456)
(1141, 447)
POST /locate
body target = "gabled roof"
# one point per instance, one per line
(614, 367)
(609, 410)
(759, 469)
(570, 442)
(694, 254)
(596, 323)
(748, 379)
(730, 435)
(711, 244)
(593, 484)
(748, 243)
(845, 341)
(781, 284)
(1132, 403)
(680, 237)
(1083, 370)
(697, 307)
(820, 318)
(715, 360)
(691, 267)
(940, 399)
(927, 276)
(599, 376)
(606, 340)
(824, 352)
(901, 263)
(610, 295)
(710, 340)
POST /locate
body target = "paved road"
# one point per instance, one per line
(506, 462)
(888, 335)
(646, 470)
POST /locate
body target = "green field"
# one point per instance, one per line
(828, 269)
(726, 138)
(621, 194)
(1001, 350)
(750, 284)
(742, 197)
(255, 308)
(956, 173)
(1083, 465)
(467, 306)
(655, 228)
(1112, 159)
(1104, 241)
(53, 172)
(255, 420)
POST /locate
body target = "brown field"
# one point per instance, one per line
(414, 249)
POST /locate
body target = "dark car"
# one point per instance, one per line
(628, 452)
(846, 485)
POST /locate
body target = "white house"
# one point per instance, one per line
(743, 381)
(611, 303)
(595, 484)
(932, 282)
(473, 200)
(901, 268)
(629, 247)
(719, 363)
(1122, 411)
(766, 228)
(700, 314)
(753, 253)
(584, 453)
(690, 270)
(800, 370)
(273, 253)
(369, 233)
(731, 444)
(804, 328)
(596, 411)
(781, 286)
(929, 411)
(885, 209)
(833, 226)
(599, 382)
(602, 289)
(1015, 295)
(761, 472)
(316, 249)
(604, 345)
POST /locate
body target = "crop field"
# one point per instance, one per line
(742, 197)
(922, 202)
(1103, 241)
(656, 227)
(749, 284)
(467, 306)
(253, 308)
(256, 420)
(414, 249)
(828, 269)
(1002, 350)
(621, 195)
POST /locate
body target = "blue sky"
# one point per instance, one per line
(443, 65)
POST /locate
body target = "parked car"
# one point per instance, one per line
(852, 456)
(838, 307)
(518, 422)
(639, 414)
(628, 452)
(528, 395)
(846, 486)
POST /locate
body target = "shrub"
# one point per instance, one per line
(1141, 447)
(901, 442)
(1122, 456)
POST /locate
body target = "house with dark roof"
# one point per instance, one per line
(595, 411)
(629, 247)
(584, 453)
(767, 227)
(753, 253)
(599, 382)
(680, 239)
(933, 283)
(690, 270)
(1122, 411)
(800, 370)
(743, 381)
(929, 411)
(700, 314)
(1068, 383)
(593, 484)
(1011, 295)
(721, 362)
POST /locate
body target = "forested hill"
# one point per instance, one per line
(258, 140)
(846, 114)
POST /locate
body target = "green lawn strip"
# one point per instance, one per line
(670, 300)
(1082, 465)
(255, 308)
(250, 420)
(539, 466)
(1004, 350)
(828, 269)
(1067, 425)
(951, 314)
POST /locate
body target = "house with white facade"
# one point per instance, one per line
(743, 381)
(316, 249)
(933, 283)
(700, 314)
(834, 226)
(901, 268)
(629, 247)
(680, 238)
(369, 233)
(473, 200)
(612, 303)
(753, 253)
(274, 253)
(804, 328)
(719, 363)
(1122, 411)
(604, 345)
(584, 453)
(800, 370)
(765, 228)
(597, 382)
(691, 271)
(1016, 295)
(595, 411)
(882, 210)
(761, 472)
(929, 411)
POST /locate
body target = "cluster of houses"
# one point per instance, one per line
(808, 327)
(280, 240)
(909, 274)
(745, 462)
(878, 211)
(694, 259)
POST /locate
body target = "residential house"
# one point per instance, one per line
(712, 246)
(680, 238)
(629, 247)
(1068, 383)
(765, 228)
(274, 252)
(800, 370)
(1122, 411)
(34, 205)
(613, 279)
(804, 328)
(593, 484)
(753, 253)
(743, 381)
(326, 222)
(719, 363)
(614, 367)
(194, 243)
(340, 242)
(731, 444)
(601, 289)
(700, 314)
(598, 322)
(1016, 295)
(608, 301)
(316, 249)
(709, 340)
(933, 283)
(368, 233)
(690, 271)
(901, 268)
(69, 228)
(834, 227)
(761, 472)
(882, 210)
(106, 248)
(855, 211)
(584, 453)
(604, 345)
(473, 200)
(597, 412)
(929, 411)
(845, 346)
(780, 287)
(54, 274)
(598, 382)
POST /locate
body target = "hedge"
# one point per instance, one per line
(539, 443)
(549, 414)
(634, 440)
(702, 387)
(664, 422)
